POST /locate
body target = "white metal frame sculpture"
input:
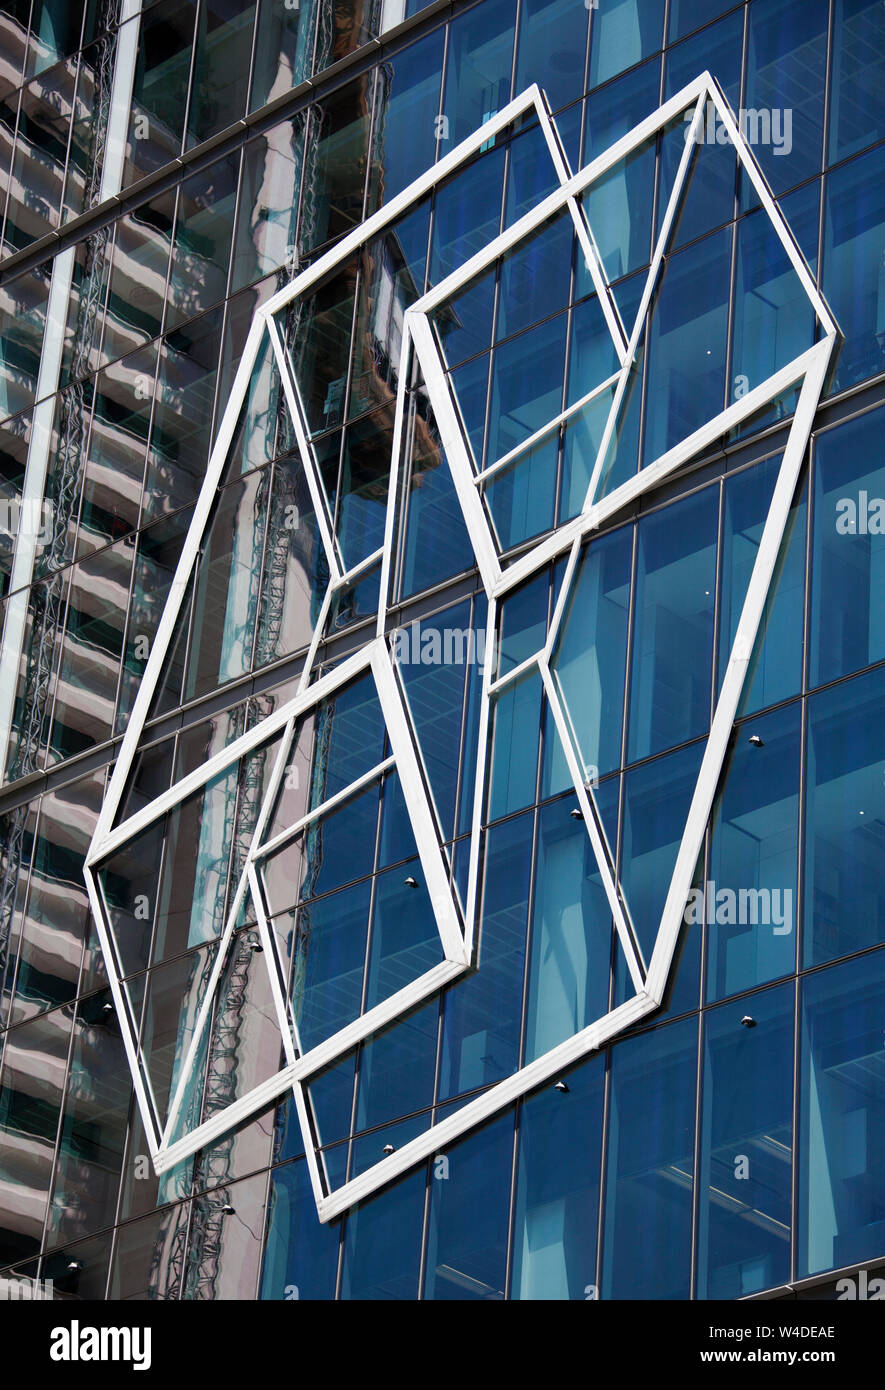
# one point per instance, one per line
(454, 919)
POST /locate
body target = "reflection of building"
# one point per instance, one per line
(165, 173)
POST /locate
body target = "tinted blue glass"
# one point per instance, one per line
(300, 1255)
(568, 982)
(466, 212)
(686, 360)
(786, 37)
(857, 86)
(841, 1116)
(527, 375)
(407, 105)
(686, 15)
(478, 66)
(437, 545)
(773, 321)
(775, 670)
(523, 623)
(396, 1068)
(745, 1175)
(847, 630)
(557, 1195)
(845, 807)
(551, 49)
(382, 1243)
(589, 659)
(656, 801)
(802, 212)
(751, 896)
(619, 205)
(469, 1207)
(464, 323)
(531, 173)
(328, 964)
(482, 1013)
(405, 939)
(647, 1234)
(673, 624)
(534, 278)
(852, 280)
(515, 731)
(622, 35)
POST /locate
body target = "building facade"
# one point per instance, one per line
(442, 787)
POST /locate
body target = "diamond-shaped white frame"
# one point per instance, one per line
(499, 578)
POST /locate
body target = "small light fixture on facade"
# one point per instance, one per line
(227, 1209)
(756, 741)
(577, 813)
(748, 1022)
(561, 1086)
(410, 882)
(389, 1149)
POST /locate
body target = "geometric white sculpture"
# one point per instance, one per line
(455, 920)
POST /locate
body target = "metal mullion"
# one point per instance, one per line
(462, 739)
(700, 1038)
(199, 8)
(604, 1156)
(241, 163)
(795, 1117)
(62, 1111)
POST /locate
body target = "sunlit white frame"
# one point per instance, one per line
(499, 577)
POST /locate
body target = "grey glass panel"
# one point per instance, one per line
(31, 1092)
(557, 1195)
(145, 1264)
(220, 78)
(182, 420)
(270, 185)
(283, 50)
(847, 629)
(156, 559)
(138, 272)
(647, 1237)
(336, 157)
(23, 310)
(201, 250)
(159, 96)
(93, 1127)
(745, 1174)
(841, 1116)
(751, 896)
(844, 899)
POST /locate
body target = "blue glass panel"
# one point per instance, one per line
(469, 1207)
(557, 1193)
(751, 896)
(523, 623)
(622, 35)
(847, 617)
(382, 1243)
(407, 105)
(551, 49)
(515, 732)
(673, 625)
(535, 276)
(300, 1255)
(482, 1013)
(466, 212)
(687, 15)
(857, 86)
(775, 671)
(531, 173)
(328, 962)
(589, 659)
(656, 801)
(773, 321)
(396, 1068)
(687, 347)
(478, 66)
(647, 1235)
(437, 545)
(845, 809)
(619, 205)
(801, 210)
(745, 1174)
(405, 938)
(568, 984)
(842, 1116)
(786, 82)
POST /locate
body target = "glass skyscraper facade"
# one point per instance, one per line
(168, 170)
